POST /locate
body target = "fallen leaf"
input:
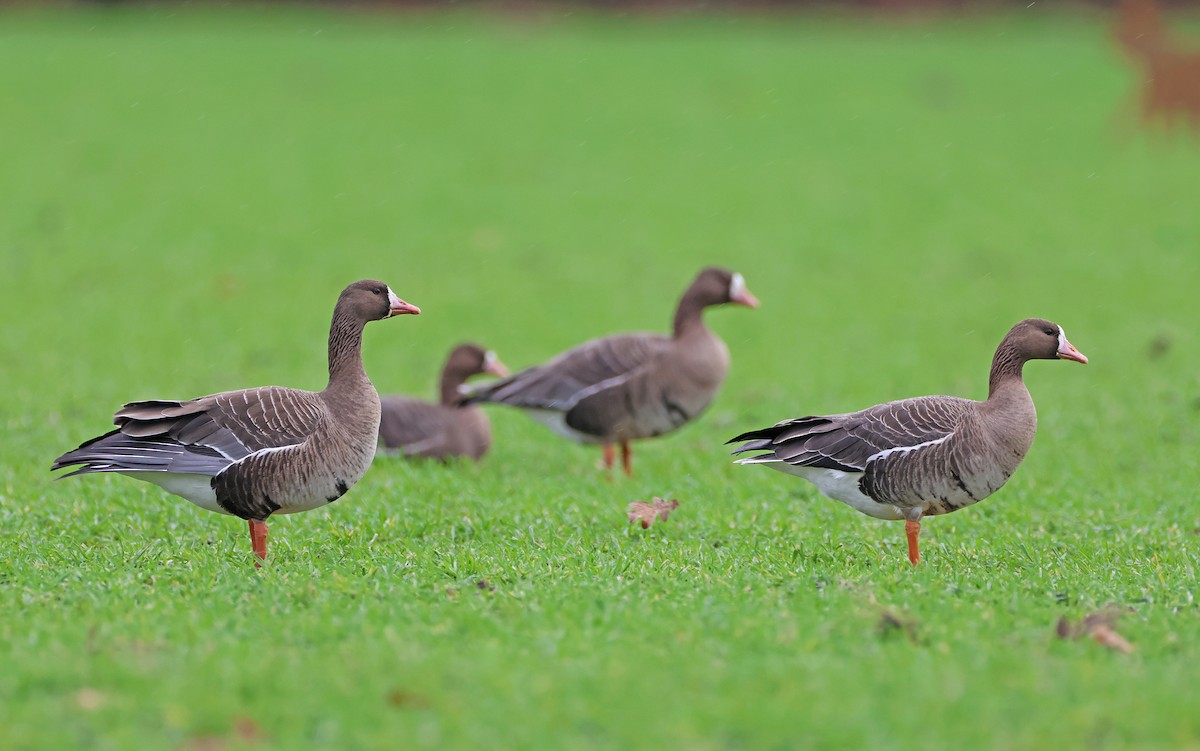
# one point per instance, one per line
(245, 732)
(406, 700)
(1159, 346)
(248, 731)
(1063, 628)
(89, 699)
(1105, 636)
(648, 513)
(890, 623)
(206, 743)
(1101, 626)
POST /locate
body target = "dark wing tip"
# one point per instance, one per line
(761, 444)
(85, 469)
(761, 433)
(71, 458)
(748, 435)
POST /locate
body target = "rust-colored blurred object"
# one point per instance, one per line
(1169, 77)
(1101, 626)
(648, 513)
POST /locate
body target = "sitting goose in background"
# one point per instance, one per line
(260, 451)
(446, 429)
(924, 456)
(620, 388)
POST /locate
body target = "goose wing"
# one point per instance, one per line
(579, 372)
(848, 442)
(198, 436)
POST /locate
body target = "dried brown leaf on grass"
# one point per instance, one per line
(1101, 626)
(248, 731)
(206, 743)
(891, 622)
(245, 732)
(89, 699)
(407, 700)
(648, 513)
(1106, 636)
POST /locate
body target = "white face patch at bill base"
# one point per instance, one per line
(394, 300)
(1066, 350)
(737, 287)
(489, 359)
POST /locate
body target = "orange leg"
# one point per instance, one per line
(627, 458)
(258, 539)
(913, 529)
(608, 456)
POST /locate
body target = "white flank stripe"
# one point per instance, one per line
(261, 452)
(902, 449)
(222, 453)
(596, 388)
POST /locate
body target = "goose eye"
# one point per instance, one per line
(1049, 331)
(378, 290)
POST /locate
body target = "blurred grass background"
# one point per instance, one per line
(188, 188)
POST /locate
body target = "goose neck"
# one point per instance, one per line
(689, 315)
(345, 351)
(1007, 367)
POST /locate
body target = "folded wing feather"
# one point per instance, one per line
(577, 373)
(848, 442)
(199, 436)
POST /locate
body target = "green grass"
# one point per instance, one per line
(186, 191)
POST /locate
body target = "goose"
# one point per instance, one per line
(617, 389)
(259, 451)
(923, 456)
(446, 429)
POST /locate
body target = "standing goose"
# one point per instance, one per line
(620, 388)
(924, 456)
(261, 451)
(446, 429)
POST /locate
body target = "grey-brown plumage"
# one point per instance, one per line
(258, 451)
(925, 456)
(447, 429)
(621, 388)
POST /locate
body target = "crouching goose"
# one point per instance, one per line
(924, 456)
(260, 451)
(445, 429)
(620, 388)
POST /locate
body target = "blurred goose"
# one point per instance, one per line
(924, 456)
(445, 429)
(620, 388)
(259, 451)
